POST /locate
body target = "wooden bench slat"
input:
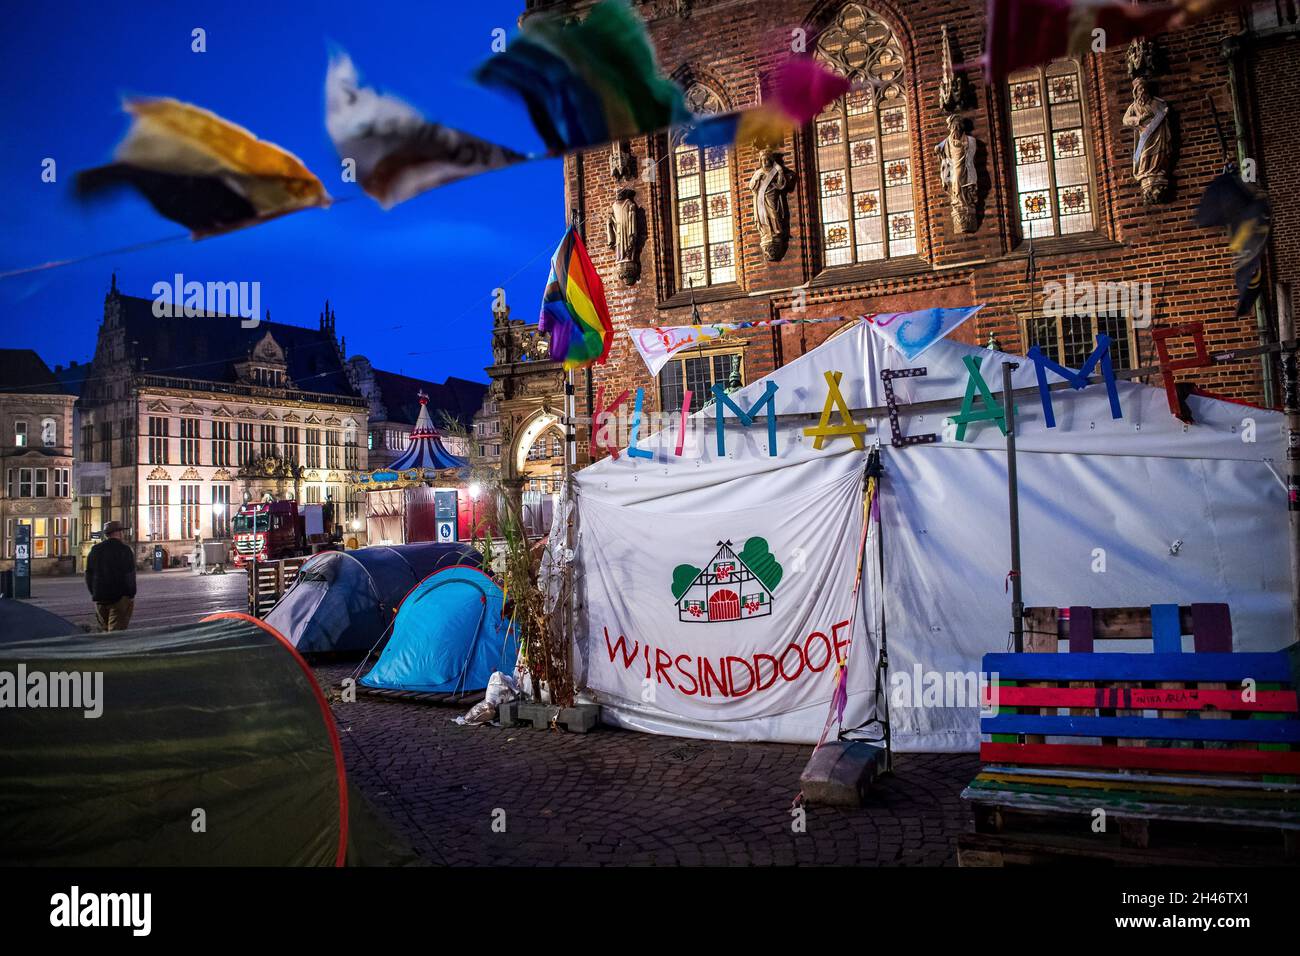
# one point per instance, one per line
(1159, 728)
(1140, 758)
(1272, 666)
(1147, 698)
(1211, 628)
(1166, 633)
(1080, 630)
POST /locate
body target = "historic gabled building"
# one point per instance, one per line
(36, 462)
(193, 416)
(395, 407)
(923, 187)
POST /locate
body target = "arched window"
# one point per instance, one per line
(863, 144)
(1053, 162)
(702, 203)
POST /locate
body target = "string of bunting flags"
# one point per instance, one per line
(978, 403)
(584, 85)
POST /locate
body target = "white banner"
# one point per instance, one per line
(724, 615)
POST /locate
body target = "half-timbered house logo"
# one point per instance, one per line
(730, 587)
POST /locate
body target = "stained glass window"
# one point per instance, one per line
(1052, 162)
(706, 242)
(864, 150)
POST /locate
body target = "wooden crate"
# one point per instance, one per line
(267, 582)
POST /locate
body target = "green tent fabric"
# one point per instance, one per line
(213, 745)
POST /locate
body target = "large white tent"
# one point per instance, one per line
(1114, 512)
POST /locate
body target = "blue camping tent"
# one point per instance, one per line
(343, 601)
(450, 634)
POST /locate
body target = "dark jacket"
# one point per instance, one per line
(110, 571)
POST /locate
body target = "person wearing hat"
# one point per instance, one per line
(110, 577)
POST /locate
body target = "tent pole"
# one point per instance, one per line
(1013, 502)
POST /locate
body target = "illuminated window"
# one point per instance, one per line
(865, 174)
(1052, 160)
(703, 203)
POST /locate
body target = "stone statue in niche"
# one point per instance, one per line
(770, 185)
(1148, 116)
(624, 234)
(622, 165)
(957, 173)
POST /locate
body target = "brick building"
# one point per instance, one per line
(870, 225)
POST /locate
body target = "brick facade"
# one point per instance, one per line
(728, 44)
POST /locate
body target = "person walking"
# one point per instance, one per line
(110, 577)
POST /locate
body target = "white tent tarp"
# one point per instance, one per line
(1134, 511)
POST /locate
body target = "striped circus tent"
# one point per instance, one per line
(426, 449)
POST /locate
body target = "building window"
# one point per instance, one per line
(313, 447)
(88, 442)
(189, 511)
(1070, 339)
(350, 456)
(61, 482)
(699, 374)
(331, 448)
(291, 444)
(49, 432)
(20, 434)
(189, 441)
(243, 443)
(42, 483)
(157, 441)
(313, 492)
(106, 441)
(703, 203)
(220, 511)
(266, 433)
(221, 443)
(60, 535)
(865, 173)
(124, 444)
(1050, 151)
(158, 512)
(126, 502)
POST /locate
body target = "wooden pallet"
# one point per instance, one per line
(1050, 829)
(267, 582)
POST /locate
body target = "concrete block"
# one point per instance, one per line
(841, 773)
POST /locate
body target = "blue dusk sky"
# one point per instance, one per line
(411, 288)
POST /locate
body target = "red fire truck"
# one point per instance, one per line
(267, 530)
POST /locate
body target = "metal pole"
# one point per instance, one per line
(1013, 502)
(1291, 406)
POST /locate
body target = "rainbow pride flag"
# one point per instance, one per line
(574, 312)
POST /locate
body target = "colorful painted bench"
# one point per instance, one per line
(1203, 736)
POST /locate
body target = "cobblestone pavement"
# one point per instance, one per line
(622, 798)
(162, 597)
